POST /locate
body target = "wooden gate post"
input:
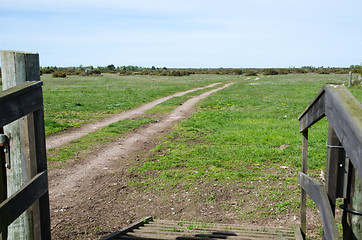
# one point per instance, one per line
(303, 200)
(352, 223)
(3, 189)
(17, 68)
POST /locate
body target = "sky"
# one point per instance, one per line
(187, 33)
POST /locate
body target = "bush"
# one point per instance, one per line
(46, 71)
(61, 74)
(96, 72)
(270, 71)
(251, 73)
(300, 70)
(238, 71)
(283, 71)
(323, 72)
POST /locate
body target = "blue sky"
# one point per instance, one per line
(198, 33)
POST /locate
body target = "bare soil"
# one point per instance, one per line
(91, 197)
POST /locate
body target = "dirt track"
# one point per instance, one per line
(55, 141)
(89, 198)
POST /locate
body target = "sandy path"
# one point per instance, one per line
(59, 140)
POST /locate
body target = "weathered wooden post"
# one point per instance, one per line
(17, 68)
(3, 189)
(350, 79)
(352, 218)
(334, 170)
(303, 200)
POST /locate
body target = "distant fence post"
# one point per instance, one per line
(17, 68)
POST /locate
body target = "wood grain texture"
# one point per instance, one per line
(15, 69)
(3, 190)
(317, 192)
(344, 113)
(313, 113)
(19, 101)
(303, 198)
(335, 156)
(22, 199)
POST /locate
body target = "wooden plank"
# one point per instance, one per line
(20, 101)
(19, 90)
(19, 67)
(344, 113)
(21, 200)
(352, 228)
(3, 190)
(318, 194)
(42, 220)
(298, 234)
(335, 155)
(189, 236)
(174, 229)
(184, 232)
(32, 66)
(303, 197)
(211, 225)
(130, 228)
(313, 113)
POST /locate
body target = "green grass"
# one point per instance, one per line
(235, 138)
(84, 145)
(237, 135)
(75, 100)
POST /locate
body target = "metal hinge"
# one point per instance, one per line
(4, 142)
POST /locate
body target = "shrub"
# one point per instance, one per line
(96, 72)
(238, 71)
(61, 74)
(251, 73)
(125, 73)
(270, 71)
(323, 72)
(46, 71)
(283, 71)
(300, 70)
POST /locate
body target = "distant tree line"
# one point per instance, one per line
(136, 70)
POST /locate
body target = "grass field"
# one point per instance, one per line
(72, 101)
(245, 138)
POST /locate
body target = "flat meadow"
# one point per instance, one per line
(244, 139)
(72, 101)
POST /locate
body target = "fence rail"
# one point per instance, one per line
(344, 113)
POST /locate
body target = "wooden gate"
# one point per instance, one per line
(343, 176)
(25, 102)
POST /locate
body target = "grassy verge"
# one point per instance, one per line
(75, 100)
(246, 139)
